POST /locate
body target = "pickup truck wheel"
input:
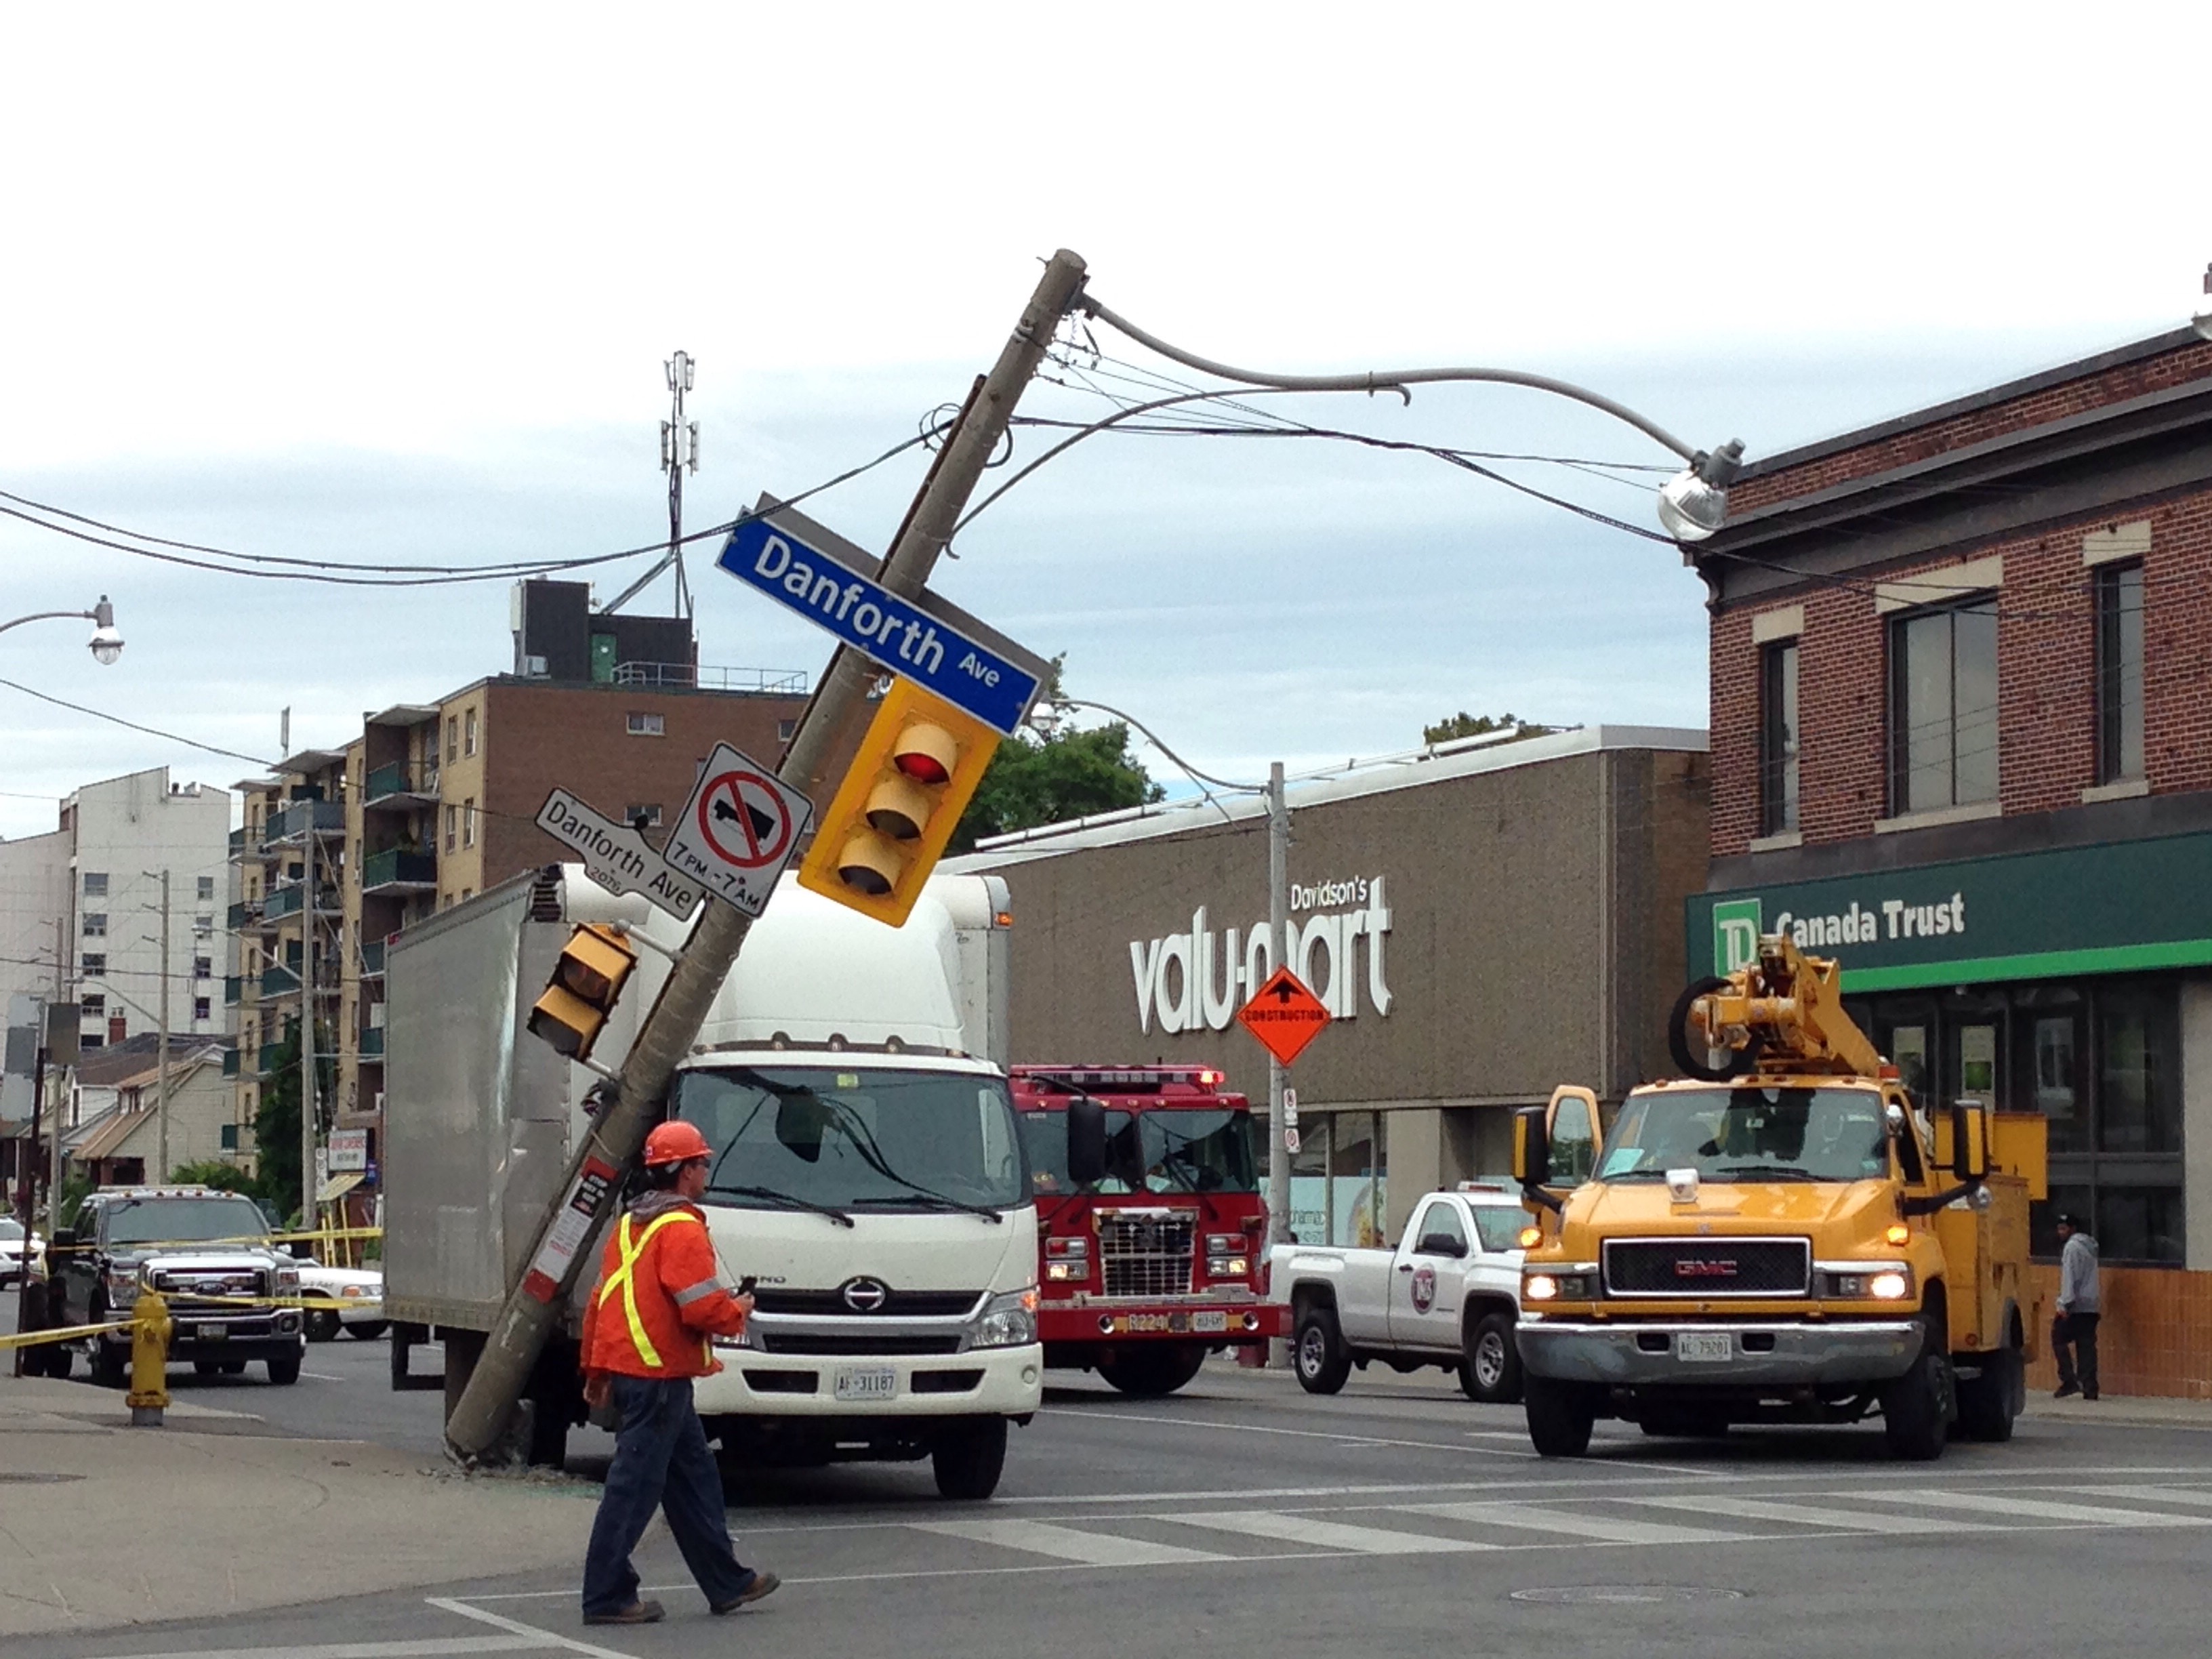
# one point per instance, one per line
(1560, 1417)
(1318, 1355)
(1490, 1366)
(970, 1457)
(1917, 1409)
(367, 1331)
(111, 1364)
(321, 1325)
(284, 1369)
(1148, 1373)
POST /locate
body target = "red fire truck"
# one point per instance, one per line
(1150, 1220)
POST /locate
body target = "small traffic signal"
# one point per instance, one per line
(917, 769)
(595, 964)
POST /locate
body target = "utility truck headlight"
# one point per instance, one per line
(1577, 1284)
(1875, 1281)
(1006, 1322)
(1540, 1287)
(1890, 1287)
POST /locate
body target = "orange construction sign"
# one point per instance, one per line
(1285, 1016)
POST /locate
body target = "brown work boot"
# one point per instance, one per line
(637, 1612)
(763, 1583)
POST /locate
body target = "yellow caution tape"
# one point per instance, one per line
(66, 1334)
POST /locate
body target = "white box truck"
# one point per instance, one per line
(868, 1176)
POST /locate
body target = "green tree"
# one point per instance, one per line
(214, 1172)
(276, 1122)
(1035, 780)
(1464, 724)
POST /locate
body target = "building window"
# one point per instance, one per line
(785, 730)
(95, 1006)
(452, 737)
(202, 1008)
(642, 817)
(202, 966)
(92, 963)
(203, 924)
(467, 893)
(648, 726)
(1943, 708)
(469, 822)
(469, 732)
(452, 827)
(205, 892)
(2120, 672)
(95, 924)
(1778, 738)
(95, 883)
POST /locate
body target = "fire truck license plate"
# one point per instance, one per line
(1703, 1347)
(1209, 1321)
(873, 1383)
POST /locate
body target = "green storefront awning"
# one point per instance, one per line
(2122, 907)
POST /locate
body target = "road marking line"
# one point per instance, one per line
(1328, 1534)
(323, 1376)
(1255, 1428)
(1093, 1549)
(1608, 1528)
(2153, 1494)
(2036, 1509)
(425, 1648)
(545, 1639)
(1812, 1515)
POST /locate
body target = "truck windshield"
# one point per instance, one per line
(1167, 1151)
(879, 1139)
(1750, 1134)
(185, 1221)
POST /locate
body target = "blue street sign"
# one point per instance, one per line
(938, 647)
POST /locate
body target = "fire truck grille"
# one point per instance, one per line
(1145, 1254)
(1707, 1267)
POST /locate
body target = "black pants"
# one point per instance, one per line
(2074, 1340)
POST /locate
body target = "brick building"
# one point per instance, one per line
(1961, 741)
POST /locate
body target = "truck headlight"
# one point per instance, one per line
(1228, 1266)
(1006, 1322)
(1872, 1281)
(288, 1281)
(1559, 1286)
(122, 1286)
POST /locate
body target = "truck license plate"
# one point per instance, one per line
(1209, 1321)
(873, 1383)
(1703, 1347)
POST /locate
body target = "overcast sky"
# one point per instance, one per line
(396, 285)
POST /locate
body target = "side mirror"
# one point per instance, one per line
(65, 1238)
(1532, 1147)
(1440, 1244)
(799, 1121)
(1086, 1141)
(1970, 1146)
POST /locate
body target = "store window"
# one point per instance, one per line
(1778, 739)
(1943, 708)
(2098, 1059)
(1338, 1191)
(2120, 672)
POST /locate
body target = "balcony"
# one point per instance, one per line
(289, 827)
(280, 982)
(372, 959)
(399, 788)
(786, 682)
(264, 1064)
(249, 917)
(288, 901)
(236, 990)
(396, 871)
(245, 846)
(371, 1043)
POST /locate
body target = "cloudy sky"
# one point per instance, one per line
(396, 286)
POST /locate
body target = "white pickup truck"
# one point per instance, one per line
(1448, 1295)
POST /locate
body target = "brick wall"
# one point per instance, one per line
(2045, 680)
(2051, 402)
(2153, 1340)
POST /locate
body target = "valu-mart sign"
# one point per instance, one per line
(2119, 907)
(1196, 981)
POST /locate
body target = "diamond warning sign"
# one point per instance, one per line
(1285, 1016)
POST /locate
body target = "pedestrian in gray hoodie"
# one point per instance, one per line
(2080, 1304)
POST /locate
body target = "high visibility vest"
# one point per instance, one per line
(624, 1279)
(659, 1300)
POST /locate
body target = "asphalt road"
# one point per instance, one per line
(1244, 1517)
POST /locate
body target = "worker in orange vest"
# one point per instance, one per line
(648, 1332)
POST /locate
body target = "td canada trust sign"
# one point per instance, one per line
(1196, 980)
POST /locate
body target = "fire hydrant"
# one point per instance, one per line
(149, 1360)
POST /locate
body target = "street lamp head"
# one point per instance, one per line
(106, 643)
(1693, 503)
(2201, 319)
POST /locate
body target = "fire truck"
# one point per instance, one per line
(1150, 1220)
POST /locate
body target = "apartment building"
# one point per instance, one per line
(1959, 742)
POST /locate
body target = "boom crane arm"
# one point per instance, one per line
(1788, 1009)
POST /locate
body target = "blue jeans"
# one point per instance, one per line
(660, 1461)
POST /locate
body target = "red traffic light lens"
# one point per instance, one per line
(925, 753)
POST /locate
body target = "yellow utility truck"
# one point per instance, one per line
(1782, 1236)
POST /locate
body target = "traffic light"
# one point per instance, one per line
(917, 769)
(595, 964)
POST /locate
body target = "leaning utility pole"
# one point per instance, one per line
(520, 1334)
(161, 1052)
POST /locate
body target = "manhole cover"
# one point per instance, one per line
(24, 1477)
(1624, 1595)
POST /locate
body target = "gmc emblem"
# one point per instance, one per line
(1695, 1268)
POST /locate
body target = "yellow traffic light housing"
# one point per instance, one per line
(917, 769)
(587, 981)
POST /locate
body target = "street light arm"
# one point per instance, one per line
(1396, 380)
(49, 616)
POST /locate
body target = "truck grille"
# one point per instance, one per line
(213, 1282)
(1705, 1268)
(1144, 1255)
(862, 1346)
(896, 1304)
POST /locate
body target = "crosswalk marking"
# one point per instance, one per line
(1811, 1515)
(1604, 1528)
(2034, 1508)
(1095, 1549)
(403, 1649)
(1330, 1535)
(2155, 1494)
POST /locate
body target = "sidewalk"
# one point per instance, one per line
(102, 1525)
(2134, 1410)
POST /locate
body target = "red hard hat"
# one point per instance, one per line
(676, 1143)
